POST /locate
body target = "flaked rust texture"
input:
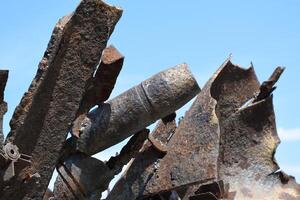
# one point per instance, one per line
(57, 96)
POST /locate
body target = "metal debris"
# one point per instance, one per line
(154, 98)
(222, 149)
(129, 151)
(41, 128)
(226, 143)
(267, 87)
(3, 104)
(140, 170)
(84, 177)
(101, 85)
(11, 153)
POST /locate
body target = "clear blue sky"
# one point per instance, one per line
(155, 35)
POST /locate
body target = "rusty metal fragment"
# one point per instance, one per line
(3, 110)
(129, 151)
(3, 104)
(140, 170)
(248, 140)
(41, 126)
(154, 98)
(194, 148)
(48, 195)
(215, 190)
(248, 143)
(267, 87)
(228, 134)
(101, 85)
(83, 177)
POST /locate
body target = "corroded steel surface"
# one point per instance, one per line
(83, 177)
(129, 151)
(247, 146)
(223, 148)
(229, 134)
(101, 85)
(55, 100)
(194, 148)
(3, 104)
(153, 99)
(141, 169)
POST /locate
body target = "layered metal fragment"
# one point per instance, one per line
(42, 120)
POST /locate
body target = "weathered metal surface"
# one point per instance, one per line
(45, 121)
(141, 169)
(215, 190)
(98, 90)
(3, 110)
(129, 151)
(267, 87)
(194, 148)
(101, 85)
(247, 138)
(3, 104)
(48, 195)
(82, 177)
(154, 98)
(228, 134)
(247, 146)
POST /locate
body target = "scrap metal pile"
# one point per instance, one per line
(223, 148)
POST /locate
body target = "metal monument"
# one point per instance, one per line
(223, 148)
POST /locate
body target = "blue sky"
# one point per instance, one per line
(154, 35)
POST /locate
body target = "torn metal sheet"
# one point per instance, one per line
(267, 87)
(232, 138)
(141, 169)
(101, 85)
(195, 145)
(154, 98)
(56, 100)
(248, 139)
(23, 110)
(194, 148)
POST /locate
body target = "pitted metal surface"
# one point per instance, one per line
(155, 98)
